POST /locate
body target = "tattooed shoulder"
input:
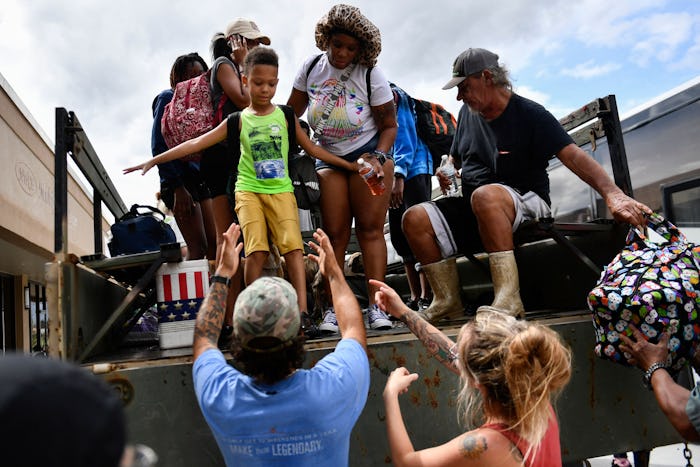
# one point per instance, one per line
(385, 114)
(472, 446)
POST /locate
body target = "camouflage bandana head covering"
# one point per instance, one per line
(349, 18)
(266, 315)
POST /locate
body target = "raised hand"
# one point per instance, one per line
(325, 257)
(399, 381)
(230, 252)
(388, 300)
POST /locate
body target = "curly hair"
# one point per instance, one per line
(180, 69)
(260, 56)
(271, 367)
(520, 366)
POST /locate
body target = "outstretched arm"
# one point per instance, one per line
(347, 310)
(192, 146)
(211, 313)
(622, 207)
(435, 341)
(318, 152)
(399, 441)
(671, 397)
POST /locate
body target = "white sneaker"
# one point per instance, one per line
(330, 323)
(377, 319)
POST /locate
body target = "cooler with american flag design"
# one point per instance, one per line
(180, 289)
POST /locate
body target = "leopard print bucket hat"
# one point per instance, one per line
(349, 18)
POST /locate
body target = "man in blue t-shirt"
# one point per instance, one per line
(259, 407)
(503, 144)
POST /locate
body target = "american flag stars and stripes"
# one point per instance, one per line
(180, 291)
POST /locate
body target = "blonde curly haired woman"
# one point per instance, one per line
(510, 370)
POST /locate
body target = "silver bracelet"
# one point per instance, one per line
(650, 371)
(452, 355)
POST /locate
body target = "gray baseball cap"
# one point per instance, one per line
(266, 315)
(469, 62)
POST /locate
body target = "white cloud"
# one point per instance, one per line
(590, 69)
(662, 36)
(690, 59)
(533, 94)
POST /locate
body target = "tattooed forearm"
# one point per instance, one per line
(210, 317)
(473, 446)
(385, 116)
(438, 344)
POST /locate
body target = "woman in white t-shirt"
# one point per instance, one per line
(350, 108)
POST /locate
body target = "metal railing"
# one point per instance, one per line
(72, 140)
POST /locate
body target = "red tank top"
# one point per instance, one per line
(549, 453)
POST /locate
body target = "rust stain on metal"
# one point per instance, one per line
(398, 358)
(122, 386)
(370, 354)
(433, 400)
(436, 379)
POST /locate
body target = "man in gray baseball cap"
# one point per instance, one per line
(502, 146)
(260, 407)
(470, 62)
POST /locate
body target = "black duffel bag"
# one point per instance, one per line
(138, 232)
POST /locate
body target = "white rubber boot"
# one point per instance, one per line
(506, 285)
(444, 280)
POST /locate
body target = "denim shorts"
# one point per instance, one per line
(370, 146)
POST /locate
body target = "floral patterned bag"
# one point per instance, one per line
(653, 286)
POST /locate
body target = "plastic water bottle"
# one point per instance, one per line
(448, 169)
(376, 186)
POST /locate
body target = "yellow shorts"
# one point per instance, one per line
(264, 216)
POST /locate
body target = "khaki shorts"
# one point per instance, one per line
(274, 217)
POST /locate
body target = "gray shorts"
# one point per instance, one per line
(456, 228)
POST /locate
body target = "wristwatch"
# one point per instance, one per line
(380, 155)
(220, 279)
(646, 379)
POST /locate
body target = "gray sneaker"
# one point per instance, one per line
(377, 319)
(330, 323)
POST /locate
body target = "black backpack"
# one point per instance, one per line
(436, 127)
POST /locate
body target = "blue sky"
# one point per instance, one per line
(107, 60)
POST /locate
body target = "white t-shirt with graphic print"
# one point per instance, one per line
(350, 124)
